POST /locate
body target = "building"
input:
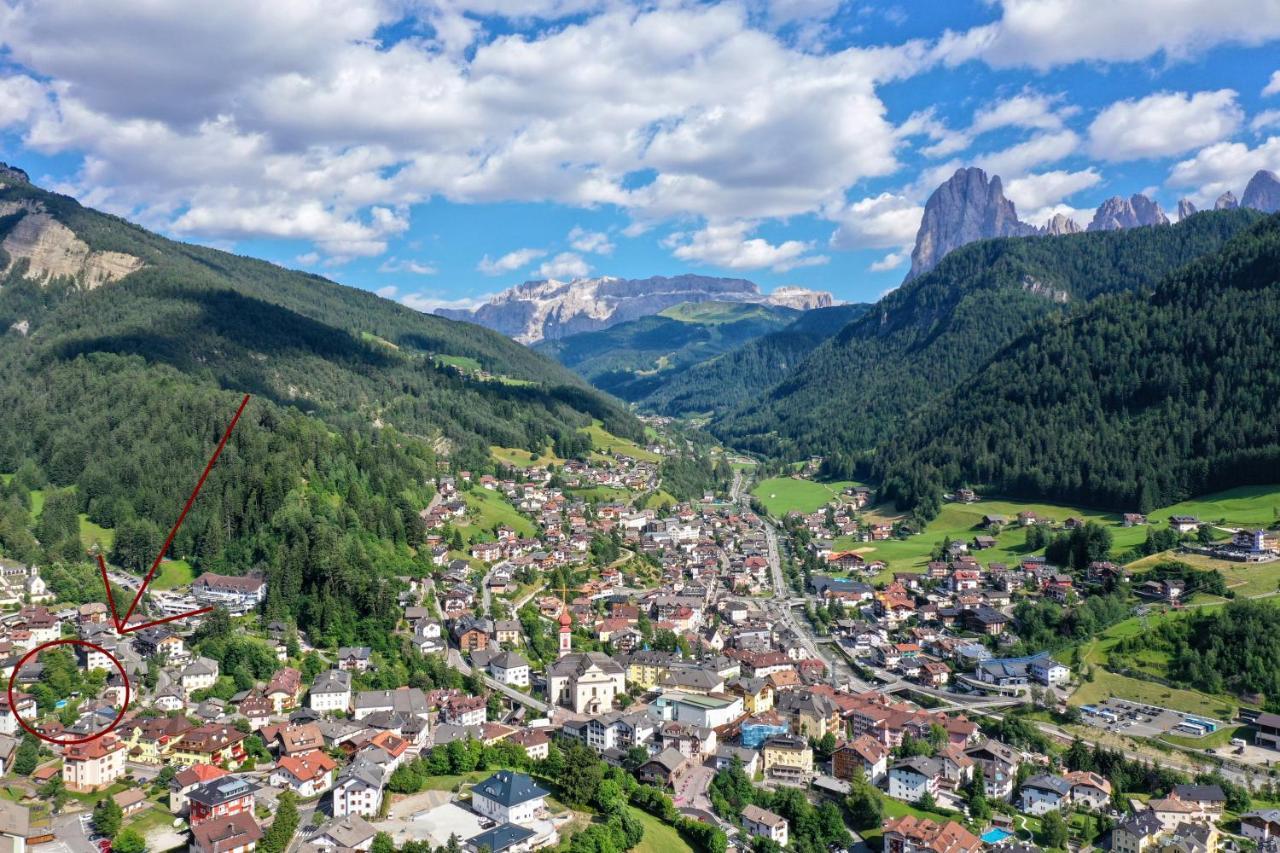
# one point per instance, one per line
(710, 711)
(1136, 832)
(614, 730)
(236, 834)
(508, 797)
(210, 744)
(911, 834)
(221, 798)
(1266, 730)
(587, 682)
(358, 790)
(510, 668)
(507, 838)
(912, 778)
(863, 753)
(307, 775)
(92, 766)
(200, 674)
(354, 658)
(1012, 672)
(788, 757)
(187, 780)
(762, 823)
(1260, 826)
(664, 769)
(236, 594)
(331, 691)
(1044, 793)
(349, 833)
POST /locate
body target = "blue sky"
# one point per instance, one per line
(440, 152)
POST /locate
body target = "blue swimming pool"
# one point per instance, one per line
(995, 835)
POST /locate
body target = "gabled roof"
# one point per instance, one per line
(508, 788)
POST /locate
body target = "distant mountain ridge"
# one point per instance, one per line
(969, 206)
(552, 309)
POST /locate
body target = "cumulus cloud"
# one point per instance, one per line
(1034, 193)
(592, 242)
(1043, 34)
(1273, 85)
(1223, 166)
(429, 302)
(565, 265)
(891, 261)
(1265, 119)
(1163, 125)
(886, 221)
(1026, 110)
(510, 262)
(726, 244)
(388, 292)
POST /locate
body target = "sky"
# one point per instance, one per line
(439, 152)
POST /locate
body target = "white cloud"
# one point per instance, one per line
(593, 242)
(1163, 125)
(416, 267)
(1224, 166)
(726, 244)
(891, 261)
(1048, 33)
(294, 119)
(1017, 160)
(1273, 85)
(308, 259)
(20, 98)
(510, 262)
(388, 292)
(1046, 189)
(1265, 119)
(1026, 110)
(565, 265)
(886, 221)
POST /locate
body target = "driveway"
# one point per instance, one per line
(691, 790)
(71, 834)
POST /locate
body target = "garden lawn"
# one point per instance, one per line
(1244, 506)
(95, 534)
(172, 574)
(781, 495)
(658, 836)
(488, 509)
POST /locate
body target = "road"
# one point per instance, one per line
(71, 831)
(454, 659)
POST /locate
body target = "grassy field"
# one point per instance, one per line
(93, 534)
(658, 836)
(464, 362)
(518, 458)
(37, 502)
(897, 808)
(489, 509)
(605, 442)
(1245, 506)
(1221, 737)
(603, 494)
(173, 573)
(716, 312)
(659, 498)
(781, 495)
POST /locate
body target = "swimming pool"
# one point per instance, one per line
(995, 835)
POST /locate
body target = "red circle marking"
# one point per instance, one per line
(13, 708)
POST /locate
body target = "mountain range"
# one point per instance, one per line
(551, 309)
(969, 206)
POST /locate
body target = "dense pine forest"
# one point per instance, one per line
(938, 331)
(1143, 399)
(112, 399)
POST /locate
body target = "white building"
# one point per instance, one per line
(763, 823)
(331, 691)
(508, 797)
(1044, 793)
(358, 790)
(587, 682)
(510, 668)
(912, 778)
(709, 711)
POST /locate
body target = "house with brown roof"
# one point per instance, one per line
(911, 834)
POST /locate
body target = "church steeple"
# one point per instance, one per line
(566, 626)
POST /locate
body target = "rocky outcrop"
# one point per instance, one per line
(1263, 192)
(1133, 212)
(547, 310)
(1185, 208)
(1059, 225)
(968, 207)
(52, 250)
(12, 175)
(1226, 201)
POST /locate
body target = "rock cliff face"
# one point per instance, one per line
(1226, 201)
(1133, 212)
(52, 250)
(1263, 192)
(1060, 224)
(1185, 208)
(547, 310)
(968, 207)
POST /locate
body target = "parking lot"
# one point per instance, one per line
(1137, 719)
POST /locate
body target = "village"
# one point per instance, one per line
(687, 648)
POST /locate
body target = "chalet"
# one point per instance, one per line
(912, 778)
(762, 823)
(1184, 523)
(239, 833)
(863, 752)
(911, 834)
(354, 658)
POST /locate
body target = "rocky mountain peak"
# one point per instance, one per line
(12, 175)
(1185, 208)
(1133, 212)
(1263, 192)
(550, 309)
(969, 206)
(1059, 225)
(1226, 201)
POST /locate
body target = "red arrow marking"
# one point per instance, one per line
(122, 625)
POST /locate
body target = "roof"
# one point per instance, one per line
(222, 790)
(507, 788)
(227, 833)
(1047, 782)
(350, 831)
(949, 837)
(755, 814)
(501, 837)
(1141, 824)
(1200, 793)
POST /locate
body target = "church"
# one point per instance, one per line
(586, 682)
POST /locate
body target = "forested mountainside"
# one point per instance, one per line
(937, 331)
(126, 354)
(637, 358)
(722, 383)
(1143, 399)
